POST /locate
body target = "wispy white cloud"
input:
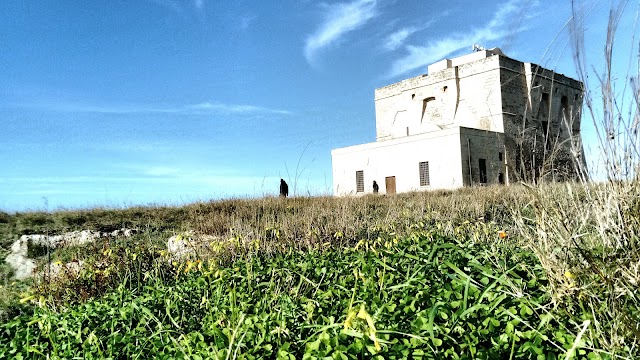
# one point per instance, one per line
(234, 183)
(235, 108)
(497, 28)
(180, 7)
(172, 5)
(129, 147)
(121, 146)
(246, 20)
(397, 38)
(340, 19)
(207, 107)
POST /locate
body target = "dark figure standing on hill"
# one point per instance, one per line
(284, 188)
(375, 187)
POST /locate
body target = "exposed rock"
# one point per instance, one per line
(70, 269)
(39, 240)
(189, 244)
(20, 247)
(24, 267)
(122, 232)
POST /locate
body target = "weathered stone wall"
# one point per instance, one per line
(466, 95)
(479, 144)
(480, 101)
(541, 114)
(416, 105)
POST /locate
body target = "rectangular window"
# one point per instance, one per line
(424, 173)
(359, 181)
(500, 156)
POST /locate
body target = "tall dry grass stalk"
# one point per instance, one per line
(586, 234)
(309, 223)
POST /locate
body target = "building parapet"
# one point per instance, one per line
(473, 64)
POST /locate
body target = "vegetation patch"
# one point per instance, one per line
(497, 272)
(426, 295)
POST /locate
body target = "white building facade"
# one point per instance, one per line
(466, 123)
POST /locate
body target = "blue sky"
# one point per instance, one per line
(118, 103)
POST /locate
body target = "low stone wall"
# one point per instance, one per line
(25, 266)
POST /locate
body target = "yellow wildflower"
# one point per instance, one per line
(348, 323)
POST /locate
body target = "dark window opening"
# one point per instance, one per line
(483, 170)
(500, 156)
(543, 110)
(424, 173)
(413, 96)
(564, 108)
(501, 178)
(424, 105)
(359, 181)
(444, 88)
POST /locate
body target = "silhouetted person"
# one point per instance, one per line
(375, 187)
(284, 188)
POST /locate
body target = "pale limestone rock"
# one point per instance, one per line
(20, 246)
(23, 267)
(129, 232)
(57, 269)
(76, 238)
(121, 232)
(189, 244)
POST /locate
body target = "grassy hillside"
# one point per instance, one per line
(498, 272)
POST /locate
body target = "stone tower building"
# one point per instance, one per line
(481, 118)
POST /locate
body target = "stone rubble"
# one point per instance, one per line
(189, 244)
(179, 246)
(24, 267)
(71, 269)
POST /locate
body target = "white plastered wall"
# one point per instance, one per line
(400, 158)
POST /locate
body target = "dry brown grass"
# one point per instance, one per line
(587, 235)
(306, 222)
